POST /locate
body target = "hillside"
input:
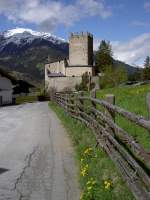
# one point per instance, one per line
(130, 69)
(26, 51)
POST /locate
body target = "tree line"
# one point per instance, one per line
(112, 76)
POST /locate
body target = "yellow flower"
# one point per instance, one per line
(94, 182)
(107, 184)
(81, 196)
(88, 183)
(89, 188)
(88, 150)
(84, 171)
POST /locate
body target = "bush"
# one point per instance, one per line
(67, 90)
(85, 84)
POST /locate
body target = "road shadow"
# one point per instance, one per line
(3, 170)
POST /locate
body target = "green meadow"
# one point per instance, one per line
(132, 99)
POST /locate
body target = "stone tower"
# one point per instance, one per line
(81, 49)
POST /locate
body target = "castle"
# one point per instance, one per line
(68, 72)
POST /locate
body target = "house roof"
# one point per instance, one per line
(5, 83)
(6, 74)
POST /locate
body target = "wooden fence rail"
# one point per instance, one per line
(129, 156)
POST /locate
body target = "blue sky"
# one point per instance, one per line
(126, 23)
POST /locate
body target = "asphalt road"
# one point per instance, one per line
(36, 156)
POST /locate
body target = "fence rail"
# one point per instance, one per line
(129, 156)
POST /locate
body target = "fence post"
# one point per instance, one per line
(72, 101)
(81, 104)
(66, 101)
(93, 95)
(110, 98)
(148, 104)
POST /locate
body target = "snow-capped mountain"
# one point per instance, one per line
(25, 50)
(21, 37)
(27, 31)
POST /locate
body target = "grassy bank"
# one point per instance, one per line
(26, 99)
(99, 178)
(134, 100)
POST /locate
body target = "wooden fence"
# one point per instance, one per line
(129, 156)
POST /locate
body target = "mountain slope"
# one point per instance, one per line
(26, 51)
(130, 69)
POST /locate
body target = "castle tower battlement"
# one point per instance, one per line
(82, 34)
(81, 49)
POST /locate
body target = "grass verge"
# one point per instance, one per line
(99, 178)
(26, 99)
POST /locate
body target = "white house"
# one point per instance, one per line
(6, 90)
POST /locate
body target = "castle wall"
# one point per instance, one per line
(57, 67)
(60, 83)
(78, 71)
(60, 66)
(81, 49)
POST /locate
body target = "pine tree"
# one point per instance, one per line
(146, 71)
(147, 62)
(104, 56)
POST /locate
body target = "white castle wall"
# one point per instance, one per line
(78, 71)
(56, 67)
(60, 83)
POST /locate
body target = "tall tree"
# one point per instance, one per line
(146, 71)
(147, 62)
(104, 56)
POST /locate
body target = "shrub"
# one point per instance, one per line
(86, 83)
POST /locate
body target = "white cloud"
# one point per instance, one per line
(147, 6)
(133, 51)
(94, 7)
(140, 23)
(53, 12)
